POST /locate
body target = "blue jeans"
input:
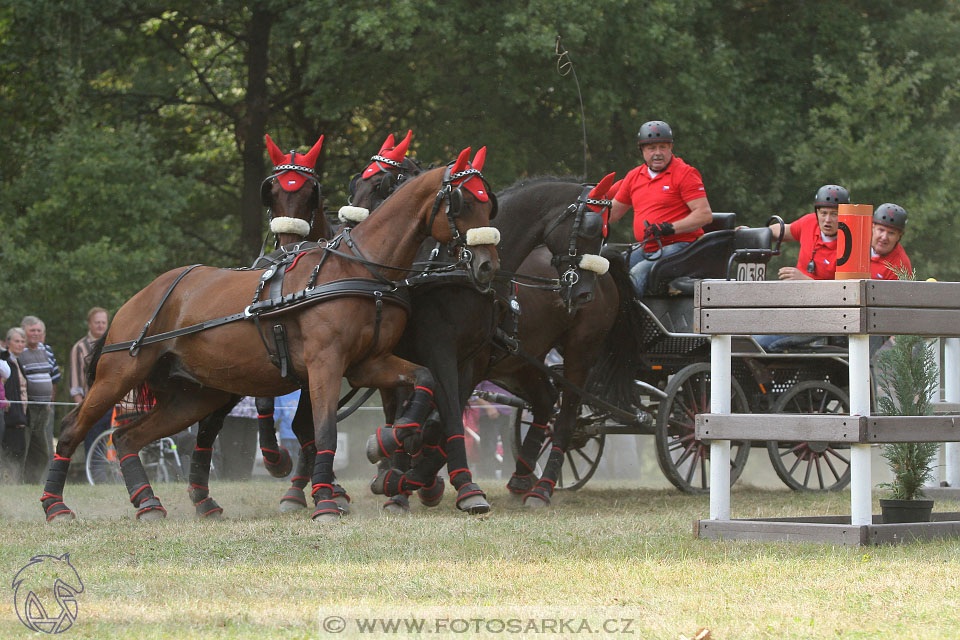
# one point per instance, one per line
(779, 344)
(640, 268)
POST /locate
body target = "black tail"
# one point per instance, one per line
(613, 375)
(94, 358)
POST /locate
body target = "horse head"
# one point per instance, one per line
(469, 205)
(388, 169)
(295, 213)
(575, 240)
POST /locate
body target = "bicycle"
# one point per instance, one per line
(160, 459)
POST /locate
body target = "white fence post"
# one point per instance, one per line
(720, 347)
(861, 483)
(951, 392)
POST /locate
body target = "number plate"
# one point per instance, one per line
(751, 271)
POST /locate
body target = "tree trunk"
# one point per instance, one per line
(250, 131)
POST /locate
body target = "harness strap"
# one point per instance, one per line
(134, 345)
(276, 306)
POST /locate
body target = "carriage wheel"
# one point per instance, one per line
(812, 466)
(683, 458)
(583, 454)
(103, 464)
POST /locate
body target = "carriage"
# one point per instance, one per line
(672, 378)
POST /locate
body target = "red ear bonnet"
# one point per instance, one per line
(388, 155)
(290, 179)
(473, 183)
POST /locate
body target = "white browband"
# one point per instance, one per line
(483, 235)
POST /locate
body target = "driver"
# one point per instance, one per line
(887, 256)
(817, 234)
(667, 197)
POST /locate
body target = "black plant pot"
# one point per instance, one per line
(900, 511)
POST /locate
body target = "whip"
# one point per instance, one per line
(565, 68)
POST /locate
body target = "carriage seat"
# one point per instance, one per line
(721, 222)
(707, 257)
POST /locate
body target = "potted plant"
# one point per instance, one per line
(907, 377)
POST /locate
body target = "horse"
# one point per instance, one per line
(193, 366)
(454, 340)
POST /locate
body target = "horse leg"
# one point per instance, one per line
(542, 397)
(199, 490)
(176, 409)
(116, 379)
(324, 387)
(470, 497)
(276, 459)
(392, 371)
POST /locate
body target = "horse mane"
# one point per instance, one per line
(94, 358)
(612, 376)
(535, 180)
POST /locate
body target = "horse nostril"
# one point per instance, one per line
(485, 271)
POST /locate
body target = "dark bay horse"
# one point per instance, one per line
(453, 326)
(192, 374)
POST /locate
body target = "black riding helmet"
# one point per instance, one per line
(831, 195)
(654, 131)
(892, 215)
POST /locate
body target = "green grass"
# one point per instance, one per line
(605, 552)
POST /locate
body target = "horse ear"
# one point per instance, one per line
(479, 159)
(275, 154)
(387, 145)
(461, 162)
(310, 160)
(401, 149)
(603, 187)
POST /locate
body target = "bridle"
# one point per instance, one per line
(311, 177)
(568, 264)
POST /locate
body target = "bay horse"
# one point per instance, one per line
(192, 372)
(454, 340)
(387, 169)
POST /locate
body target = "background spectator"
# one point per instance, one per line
(97, 321)
(13, 445)
(35, 361)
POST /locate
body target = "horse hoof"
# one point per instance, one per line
(281, 466)
(326, 518)
(151, 515)
(373, 449)
(376, 485)
(289, 506)
(535, 501)
(472, 500)
(63, 516)
(432, 495)
(343, 502)
(397, 505)
(520, 486)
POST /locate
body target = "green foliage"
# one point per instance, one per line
(908, 378)
(89, 224)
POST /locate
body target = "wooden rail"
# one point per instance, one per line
(859, 309)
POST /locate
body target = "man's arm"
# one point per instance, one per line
(700, 214)
(787, 235)
(618, 210)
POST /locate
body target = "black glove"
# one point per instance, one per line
(654, 231)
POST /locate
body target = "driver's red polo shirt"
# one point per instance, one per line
(812, 247)
(663, 198)
(880, 265)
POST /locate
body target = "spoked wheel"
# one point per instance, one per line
(583, 454)
(683, 459)
(103, 464)
(812, 466)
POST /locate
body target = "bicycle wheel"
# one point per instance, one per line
(103, 465)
